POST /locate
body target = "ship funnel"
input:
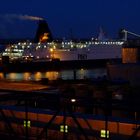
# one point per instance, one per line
(43, 33)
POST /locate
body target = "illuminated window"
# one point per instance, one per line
(103, 134)
(62, 129)
(27, 124)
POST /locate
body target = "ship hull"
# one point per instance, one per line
(56, 65)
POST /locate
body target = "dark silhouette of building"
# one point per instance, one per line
(43, 33)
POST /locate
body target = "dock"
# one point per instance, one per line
(21, 86)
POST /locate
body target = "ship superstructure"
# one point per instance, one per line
(45, 48)
(64, 51)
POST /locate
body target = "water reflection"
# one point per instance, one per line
(14, 76)
(68, 74)
(1, 76)
(38, 76)
(27, 76)
(82, 74)
(53, 75)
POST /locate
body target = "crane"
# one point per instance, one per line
(128, 32)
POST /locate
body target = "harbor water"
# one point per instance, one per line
(53, 75)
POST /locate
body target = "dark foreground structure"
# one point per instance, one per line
(52, 115)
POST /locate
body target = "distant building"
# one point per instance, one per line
(129, 69)
(131, 52)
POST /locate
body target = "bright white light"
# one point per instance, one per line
(96, 43)
(71, 46)
(73, 100)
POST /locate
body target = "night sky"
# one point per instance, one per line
(79, 18)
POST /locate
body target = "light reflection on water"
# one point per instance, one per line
(1, 76)
(26, 76)
(53, 75)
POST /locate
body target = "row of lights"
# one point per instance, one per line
(82, 45)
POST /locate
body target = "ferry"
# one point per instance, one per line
(44, 49)
(65, 51)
